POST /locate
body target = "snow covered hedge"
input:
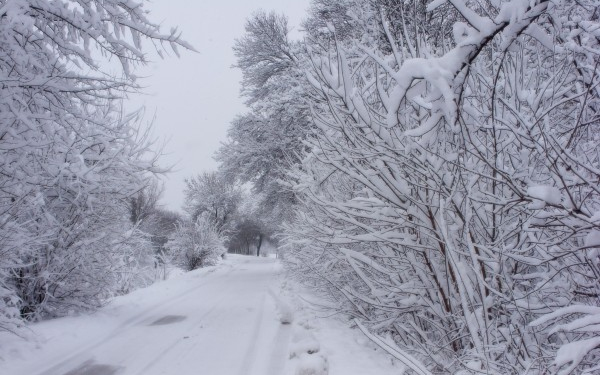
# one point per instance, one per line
(450, 198)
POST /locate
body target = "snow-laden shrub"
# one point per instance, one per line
(136, 261)
(196, 244)
(450, 197)
(68, 274)
(9, 311)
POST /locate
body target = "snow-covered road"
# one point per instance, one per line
(220, 322)
(224, 320)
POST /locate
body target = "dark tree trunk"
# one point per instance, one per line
(260, 239)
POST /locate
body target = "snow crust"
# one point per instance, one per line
(592, 239)
(546, 194)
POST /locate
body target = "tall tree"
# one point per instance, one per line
(145, 203)
(211, 194)
(251, 227)
(70, 159)
(263, 143)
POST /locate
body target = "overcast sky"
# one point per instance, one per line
(196, 96)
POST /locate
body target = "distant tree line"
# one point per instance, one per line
(218, 201)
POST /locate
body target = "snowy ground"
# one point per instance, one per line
(239, 318)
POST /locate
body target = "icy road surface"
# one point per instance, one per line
(223, 320)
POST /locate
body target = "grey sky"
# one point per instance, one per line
(196, 96)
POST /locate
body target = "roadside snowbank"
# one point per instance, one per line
(326, 345)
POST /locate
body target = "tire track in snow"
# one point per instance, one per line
(280, 342)
(159, 357)
(74, 359)
(230, 328)
(280, 347)
(253, 342)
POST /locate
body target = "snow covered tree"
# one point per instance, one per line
(263, 143)
(134, 261)
(211, 194)
(145, 203)
(159, 225)
(263, 54)
(246, 236)
(70, 159)
(252, 226)
(196, 244)
(148, 217)
(259, 151)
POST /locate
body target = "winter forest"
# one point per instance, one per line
(430, 168)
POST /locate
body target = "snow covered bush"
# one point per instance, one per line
(10, 319)
(450, 197)
(136, 261)
(196, 244)
(70, 159)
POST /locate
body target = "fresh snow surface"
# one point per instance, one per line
(548, 194)
(240, 318)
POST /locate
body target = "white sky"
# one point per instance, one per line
(196, 96)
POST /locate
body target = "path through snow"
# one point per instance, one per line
(227, 320)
